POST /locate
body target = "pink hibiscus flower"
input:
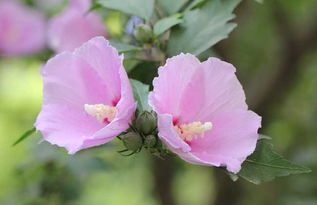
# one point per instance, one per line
(21, 29)
(74, 26)
(202, 113)
(88, 99)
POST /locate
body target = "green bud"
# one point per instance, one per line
(150, 141)
(132, 141)
(146, 122)
(143, 33)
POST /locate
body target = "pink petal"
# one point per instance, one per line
(223, 90)
(173, 80)
(168, 133)
(66, 126)
(73, 27)
(232, 138)
(190, 90)
(22, 29)
(69, 80)
(104, 59)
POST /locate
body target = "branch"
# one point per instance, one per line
(163, 179)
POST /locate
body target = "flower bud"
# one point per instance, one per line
(132, 141)
(146, 122)
(143, 33)
(150, 141)
(132, 23)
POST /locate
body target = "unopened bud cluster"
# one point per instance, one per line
(143, 33)
(143, 133)
(146, 123)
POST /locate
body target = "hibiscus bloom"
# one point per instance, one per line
(87, 99)
(74, 26)
(202, 113)
(22, 29)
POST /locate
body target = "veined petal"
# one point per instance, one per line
(223, 91)
(232, 139)
(70, 80)
(107, 63)
(66, 126)
(192, 90)
(174, 78)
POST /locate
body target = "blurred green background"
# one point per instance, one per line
(274, 49)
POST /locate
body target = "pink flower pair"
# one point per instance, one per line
(202, 114)
(22, 29)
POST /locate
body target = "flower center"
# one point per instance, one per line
(193, 130)
(103, 113)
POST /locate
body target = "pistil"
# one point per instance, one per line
(193, 130)
(103, 113)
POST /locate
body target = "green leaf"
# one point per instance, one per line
(264, 137)
(141, 92)
(171, 6)
(232, 176)
(123, 47)
(166, 23)
(94, 6)
(265, 165)
(141, 8)
(259, 1)
(196, 4)
(24, 136)
(203, 27)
